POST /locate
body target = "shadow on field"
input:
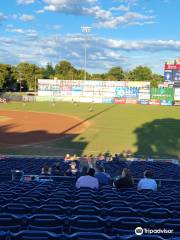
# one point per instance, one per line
(65, 141)
(160, 137)
(10, 138)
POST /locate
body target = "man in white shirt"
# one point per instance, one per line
(88, 181)
(147, 183)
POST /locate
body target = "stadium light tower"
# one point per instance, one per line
(85, 29)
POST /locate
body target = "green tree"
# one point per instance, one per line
(7, 79)
(27, 75)
(156, 79)
(64, 70)
(49, 71)
(140, 73)
(117, 73)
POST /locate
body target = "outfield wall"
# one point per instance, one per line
(92, 91)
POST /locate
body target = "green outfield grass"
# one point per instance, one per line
(144, 130)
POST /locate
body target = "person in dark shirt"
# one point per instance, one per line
(58, 171)
(125, 180)
(72, 171)
(84, 171)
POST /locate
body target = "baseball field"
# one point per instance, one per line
(45, 128)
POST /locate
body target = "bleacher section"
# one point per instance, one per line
(57, 210)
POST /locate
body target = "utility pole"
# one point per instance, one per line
(85, 29)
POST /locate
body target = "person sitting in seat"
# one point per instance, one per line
(46, 170)
(103, 177)
(72, 171)
(88, 181)
(125, 180)
(147, 183)
(67, 157)
(84, 171)
(58, 170)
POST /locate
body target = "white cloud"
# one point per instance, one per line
(26, 17)
(28, 33)
(26, 2)
(2, 16)
(68, 6)
(104, 18)
(120, 8)
(15, 30)
(102, 53)
(129, 18)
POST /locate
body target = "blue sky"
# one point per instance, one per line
(123, 33)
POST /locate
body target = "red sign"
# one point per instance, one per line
(171, 66)
(119, 100)
(154, 102)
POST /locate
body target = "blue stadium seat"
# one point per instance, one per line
(90, 236)
(16, 208)
(156, 213)
(87, 223)
(127, 225)
(118, 212)
(46, 222)
(36, 235)
(52, 209)
(85, 210)
(10, 222)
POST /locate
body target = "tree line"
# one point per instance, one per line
(23, 77)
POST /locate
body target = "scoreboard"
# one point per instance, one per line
(172, 72)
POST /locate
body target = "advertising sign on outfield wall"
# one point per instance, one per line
(120, 92)
(162, 94)
(176, 103)
(177, 94)
(166, 103)
(144, 96)
(154, 102)
(108, 100)
(131, 92)
(144, 102)
(119, 100)
(131, 101)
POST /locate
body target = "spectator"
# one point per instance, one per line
(125, 180)
(58, 170)
(116, 158)
(102, 177)
(88, 181)
(90, 161)
(110, 158)
(67, 157)
(147, 183)
(46, 170)
(84, 171)
(72, 171)
(101, 157)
